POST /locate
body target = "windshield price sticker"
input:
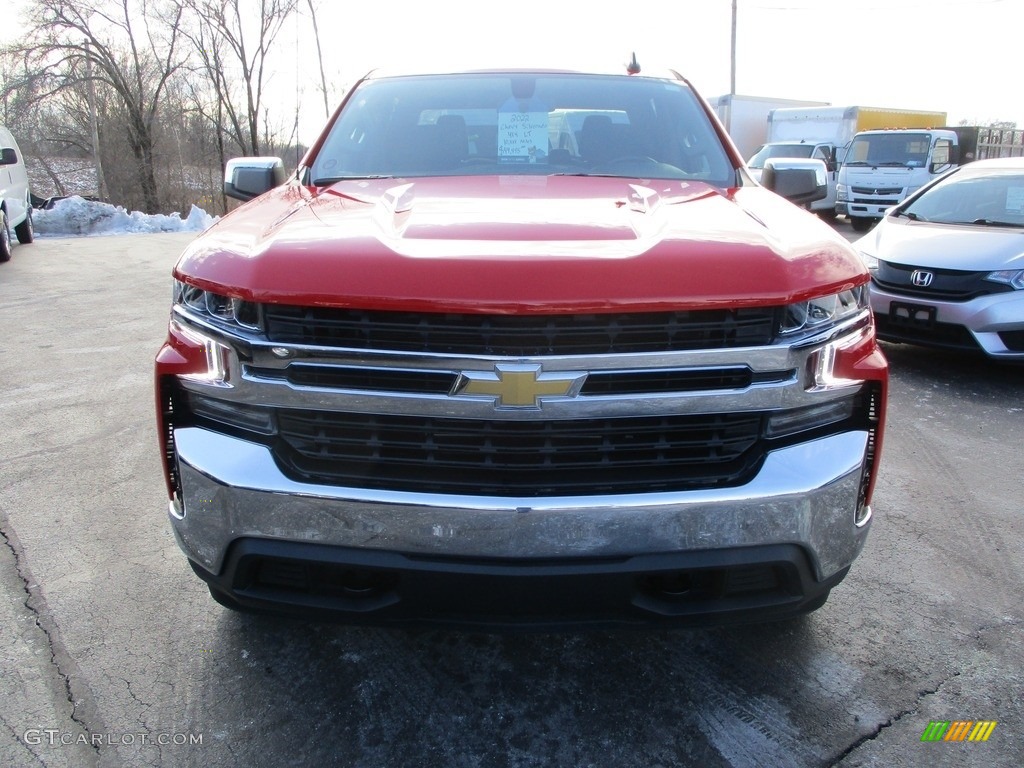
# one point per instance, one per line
(522, 135)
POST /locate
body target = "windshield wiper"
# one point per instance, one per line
(892, 163)
(997, 223)
(328, 180)
(911, 215)
(595, 175)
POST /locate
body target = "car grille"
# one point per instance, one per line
(345, 419)
(947, 284)
(571, 334)
(521, 458)
(876, 190)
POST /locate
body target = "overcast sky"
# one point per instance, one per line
(957, 56)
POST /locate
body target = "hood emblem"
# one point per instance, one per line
(516, 385)
(921, 279)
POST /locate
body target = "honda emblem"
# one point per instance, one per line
(921, 279)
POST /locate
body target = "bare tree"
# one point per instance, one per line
(45, 126)
(208, 93)
(238, 35)
(126, 47)
(319, 58)
(157, 93)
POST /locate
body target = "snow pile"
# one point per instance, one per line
(74, 216)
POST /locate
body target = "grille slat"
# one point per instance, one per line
(439, 383)
(518, 458)
(570, 334)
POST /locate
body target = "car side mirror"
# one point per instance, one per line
(798, 180)
(8, 156)
(249, 177)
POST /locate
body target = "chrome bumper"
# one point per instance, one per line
(804, 495)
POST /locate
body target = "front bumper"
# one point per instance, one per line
(867, 210)
(992, 324)
(771, 548)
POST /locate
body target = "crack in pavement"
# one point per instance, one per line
(18, 738)
(981, 635)
(921, 695)
(60, 660)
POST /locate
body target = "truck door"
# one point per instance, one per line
(943, 156)
(825, 153)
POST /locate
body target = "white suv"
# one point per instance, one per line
(15, 204)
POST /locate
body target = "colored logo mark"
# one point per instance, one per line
(958, 730)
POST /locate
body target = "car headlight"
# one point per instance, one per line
(871, 262)
(244, 314)
(841, 192)
(825, 311)
(1012, 277)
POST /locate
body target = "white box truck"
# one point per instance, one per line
(883, 167)
(746, 117)
(824, 133)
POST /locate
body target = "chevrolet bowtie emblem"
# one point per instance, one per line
(518, 386)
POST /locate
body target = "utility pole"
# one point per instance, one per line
(101, 185)
(732, 63)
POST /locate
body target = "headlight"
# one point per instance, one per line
(871, 262)
(841, 192)
(1012, 277)
(244, 314)
(825, 311)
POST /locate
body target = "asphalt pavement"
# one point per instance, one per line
(113, 654)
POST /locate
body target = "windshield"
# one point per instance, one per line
(996, 199)
(893, 149)
(779, 150)
(473, 124)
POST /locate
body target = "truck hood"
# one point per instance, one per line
(519, 244)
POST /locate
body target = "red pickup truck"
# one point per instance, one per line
(521, 347)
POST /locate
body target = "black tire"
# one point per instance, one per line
(25, 231)
(861, 224)
(5, 238)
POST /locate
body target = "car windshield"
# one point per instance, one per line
(523, 123)
(889, 149)
(779, 150)
(995, 198)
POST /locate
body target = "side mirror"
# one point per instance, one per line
(799, 181)
(249, 177)
(8, 156)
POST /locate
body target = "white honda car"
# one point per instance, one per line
(947, 264)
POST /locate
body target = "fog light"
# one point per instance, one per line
(240, 415)
(812, 417)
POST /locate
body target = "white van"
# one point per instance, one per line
(15, 204)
